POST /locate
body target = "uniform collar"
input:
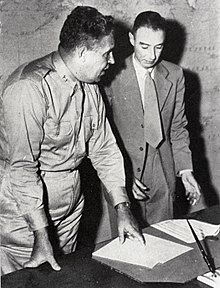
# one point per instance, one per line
(64, 72)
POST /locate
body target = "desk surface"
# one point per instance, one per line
(79, 270)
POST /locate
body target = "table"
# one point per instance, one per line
(79, 270)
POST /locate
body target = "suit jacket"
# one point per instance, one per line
(128, 117)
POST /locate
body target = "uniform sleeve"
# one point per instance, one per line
(107, 158)
(24, 110)
(179, 134)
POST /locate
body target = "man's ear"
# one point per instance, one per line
(81, 51)
(131, 38)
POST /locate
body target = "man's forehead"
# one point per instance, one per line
(146, 29)
(106, 43)
(149, 33)
(108, 40)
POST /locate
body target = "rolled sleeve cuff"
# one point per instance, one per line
(36, 219)
(118, 195)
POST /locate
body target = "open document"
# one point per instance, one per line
(179, 228)
(156, 251)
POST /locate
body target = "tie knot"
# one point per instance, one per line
(148, 74)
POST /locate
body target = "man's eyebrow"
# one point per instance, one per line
(144, 43)
(109, 50)
(147, 44)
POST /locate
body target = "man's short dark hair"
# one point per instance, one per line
(149, 19)
(85, 26)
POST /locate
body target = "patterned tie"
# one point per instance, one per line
(152, 122)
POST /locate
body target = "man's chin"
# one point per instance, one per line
(94, 80)
(148, 65)
(98, 78)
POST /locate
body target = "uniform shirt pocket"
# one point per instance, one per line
(58, 132)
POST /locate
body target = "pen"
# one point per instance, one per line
(204, 255)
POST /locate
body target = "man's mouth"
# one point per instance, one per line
(149, 62)
(104, 70)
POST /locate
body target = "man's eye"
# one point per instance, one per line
(107, 55)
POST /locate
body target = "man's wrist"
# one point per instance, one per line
(36, 219)
(123, 205)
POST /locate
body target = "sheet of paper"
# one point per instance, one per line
(210, 279)
(179, 228)
(156, 251)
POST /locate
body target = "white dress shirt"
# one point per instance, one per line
(141, 74)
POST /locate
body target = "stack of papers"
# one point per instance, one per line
(179, 228)
(156, 251)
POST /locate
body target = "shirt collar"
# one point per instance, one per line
(64, 72)
(140, 70)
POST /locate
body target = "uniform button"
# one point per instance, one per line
(141, 148)
(138, 169)
(142, 125)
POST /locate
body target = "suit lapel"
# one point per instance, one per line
(131, 91)
(163, 84)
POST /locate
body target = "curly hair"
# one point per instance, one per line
(85, 26)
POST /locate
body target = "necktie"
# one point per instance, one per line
(152, 122)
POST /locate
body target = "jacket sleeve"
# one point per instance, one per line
(179, 134)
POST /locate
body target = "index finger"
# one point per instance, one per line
(138, 237)
(140, 184)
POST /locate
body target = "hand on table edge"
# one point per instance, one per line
(127, 225)
(42, 251)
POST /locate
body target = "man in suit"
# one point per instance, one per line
(155, 142)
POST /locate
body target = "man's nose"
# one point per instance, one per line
(111, 59)
(152, 54)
